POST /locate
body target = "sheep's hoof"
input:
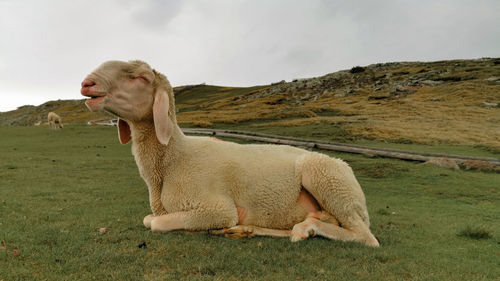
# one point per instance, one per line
(297, 237)
(302, 231)
(239, 231)
(147, 220)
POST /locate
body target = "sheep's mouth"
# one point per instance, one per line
(94, 98)
(92, 94)
(94, 103)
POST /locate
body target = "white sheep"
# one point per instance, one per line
(54, 121)
(197, 183)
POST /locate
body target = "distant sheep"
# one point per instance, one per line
(54, 121)
(197, 183)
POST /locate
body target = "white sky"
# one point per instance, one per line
(48, 47)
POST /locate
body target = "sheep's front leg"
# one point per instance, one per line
(214, 217)
(168, 222)
(155, 203)
(155, 199)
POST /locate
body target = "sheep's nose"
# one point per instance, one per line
(87, 83)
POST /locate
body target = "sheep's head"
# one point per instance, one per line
(133, 92)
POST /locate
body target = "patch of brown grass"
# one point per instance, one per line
(457, 117)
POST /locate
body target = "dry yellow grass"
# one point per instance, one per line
(457, 117)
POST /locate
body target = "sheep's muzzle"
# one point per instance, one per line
(88, 90)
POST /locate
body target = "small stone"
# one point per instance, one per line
(339, 95)
(348, 101)
(492, 79)
(490, 104)
(431, 82)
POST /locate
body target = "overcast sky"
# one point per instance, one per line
(48, 47)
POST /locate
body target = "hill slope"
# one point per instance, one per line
(453, 102)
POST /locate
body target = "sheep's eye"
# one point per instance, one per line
(144, 79)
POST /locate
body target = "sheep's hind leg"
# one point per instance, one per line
(332, 183)
(242, 231)
(313, 226)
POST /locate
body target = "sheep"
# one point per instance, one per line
(54, 121)
(197, 183)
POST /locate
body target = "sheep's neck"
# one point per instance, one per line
(153, 159)
(149, 152)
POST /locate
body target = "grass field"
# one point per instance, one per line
(58, 188)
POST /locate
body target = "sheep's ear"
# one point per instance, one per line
(163, 124)
(123, 131)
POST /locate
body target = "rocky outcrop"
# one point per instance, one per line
(394, 80)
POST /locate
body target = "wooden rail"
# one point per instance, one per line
(334, 146)
(381, 152)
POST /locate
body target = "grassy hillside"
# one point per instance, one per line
(71, 111)
(445, 102)
(451, 102)
(59, 189)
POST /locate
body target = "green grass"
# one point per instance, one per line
(57, 188)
